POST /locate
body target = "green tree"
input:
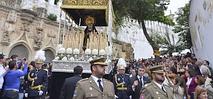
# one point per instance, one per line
(52, 17)
(167, 42)
(141, 10)
(182, 27)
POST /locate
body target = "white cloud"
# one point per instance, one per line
(174, 5)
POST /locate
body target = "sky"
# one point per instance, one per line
(174, 5)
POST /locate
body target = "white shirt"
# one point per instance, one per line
(189, 80)
(159, 85)
(2, 73)
(141, 79)
(96, 80)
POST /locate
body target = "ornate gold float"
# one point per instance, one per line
(80, 10)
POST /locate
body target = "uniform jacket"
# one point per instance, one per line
(88, 89)
(118, 79)
(69, 87)
(136, 92)
(152, 91)
(41, 79)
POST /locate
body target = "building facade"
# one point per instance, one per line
(23, 32)
(25, 29)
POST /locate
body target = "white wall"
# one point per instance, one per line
(201, 26)
(131, 32)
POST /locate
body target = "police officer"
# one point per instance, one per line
(122, 83)
(156, 89)
(37, 82)
(95, 87)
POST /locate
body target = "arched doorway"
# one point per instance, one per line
(20, 50)
(49, 55)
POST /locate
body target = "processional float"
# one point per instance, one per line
(84, 45)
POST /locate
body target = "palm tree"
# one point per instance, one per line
(167, 42)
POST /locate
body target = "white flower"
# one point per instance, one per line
(102, 52)
(61, 50)
(76, 51)
(88, 51)
(64, 58)
(71, 59)
(56, 58)
(69, 51)
(58, 47)
(90, 59)
(95, 51)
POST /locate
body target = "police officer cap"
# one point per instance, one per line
(121, 67)
(39, 61)
(99, 61)
(157, 69)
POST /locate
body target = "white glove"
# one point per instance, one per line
(40, 93)
(116, 96)
(26, 95)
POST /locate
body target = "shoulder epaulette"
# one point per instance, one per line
(148, 85)
(82, 80)
(106, 80)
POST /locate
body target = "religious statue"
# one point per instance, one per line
(90, 22)
(38, 39)
(11, 18)
(5, 34)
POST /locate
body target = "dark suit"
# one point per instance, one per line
(69, 87)
(137, 90)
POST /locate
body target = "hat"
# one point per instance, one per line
(156, 69)
(39, 61)
(120, 67)
(1, 56)
(100, 61)
(121, 61)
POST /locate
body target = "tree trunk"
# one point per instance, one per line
(149, 39)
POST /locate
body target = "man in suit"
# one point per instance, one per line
(156, 89)
(138, 82)
(95, 87)
(70, 84)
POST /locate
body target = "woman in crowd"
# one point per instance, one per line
(174, 82)
(190, 83)
(201, 93)
(12, 80)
